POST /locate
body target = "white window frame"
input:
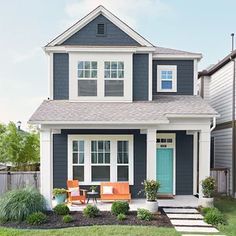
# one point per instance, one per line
(172, 68)
(113, 156)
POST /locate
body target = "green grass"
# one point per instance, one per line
(95, 231)
(228, 207)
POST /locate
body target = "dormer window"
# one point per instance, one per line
(101, 29)
(166, 78)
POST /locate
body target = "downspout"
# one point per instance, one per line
(213, 124)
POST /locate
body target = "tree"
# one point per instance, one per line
(18, 147)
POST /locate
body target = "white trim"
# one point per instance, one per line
(113, 161)
(172, 68)
(50, 72)
(150, 77)
(92, 15)
(195, 76)
(173, 146)
(179, 56)
(195, 161)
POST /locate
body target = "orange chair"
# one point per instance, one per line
(120, 191)
(79, 197)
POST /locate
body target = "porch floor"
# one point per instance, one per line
(178, 201)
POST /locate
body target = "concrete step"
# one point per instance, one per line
(184, 216)
(196, 229)
(180, 210)
(193, 223)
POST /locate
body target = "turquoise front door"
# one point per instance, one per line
(164, 169)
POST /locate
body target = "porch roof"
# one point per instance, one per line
(156, 111)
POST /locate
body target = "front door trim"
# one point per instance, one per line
(169, 145)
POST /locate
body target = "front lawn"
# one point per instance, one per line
(228, 207)
(95, 230)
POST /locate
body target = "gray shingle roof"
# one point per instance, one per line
(156, 111)
(161, 50)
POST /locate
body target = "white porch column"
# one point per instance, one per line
(151, 154)
(46, 166)
(204, 157)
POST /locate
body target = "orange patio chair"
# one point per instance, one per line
(74, 192)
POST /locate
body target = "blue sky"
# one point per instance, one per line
(26, 26)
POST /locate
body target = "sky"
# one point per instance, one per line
(27, 25)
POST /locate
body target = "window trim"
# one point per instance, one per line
(113, 158)
(172, 68)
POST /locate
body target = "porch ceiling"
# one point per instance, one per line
(152, 112)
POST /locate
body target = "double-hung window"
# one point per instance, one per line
(78, 159)
(114, 78)
(166, 78)
(122, 160)
(100, 160)
(87, 73)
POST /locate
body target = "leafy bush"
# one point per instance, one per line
(17, 205)
(121, 217)
(208, 187)
(143, 214)
(214, 217)
(150, 190)
(61, 209)
(57, 191)
(120, 207)
(67, 219)
(36, 218)
(91, 211)
(205, 210)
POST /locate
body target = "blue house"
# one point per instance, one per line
(122, 109)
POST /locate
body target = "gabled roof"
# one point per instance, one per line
(212, 69)
(143, 112)
(91, 16)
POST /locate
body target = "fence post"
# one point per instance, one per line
(8, 180)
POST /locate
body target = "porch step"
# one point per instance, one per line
(180, 210)
(184, 216)
(193, 223)
(196, 229)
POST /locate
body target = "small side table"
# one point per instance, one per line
(93, 196)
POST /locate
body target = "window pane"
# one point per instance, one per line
(122, 152)
(100, 158)
(114, 88)
(166, 84)
(87, 74)
(100, 146)
(107, 74)
(113, 74)
(81, 158)
(121, 65)
(113, 65)
(80, 74)
(78, 173)
(93, 74)
(123, 173)
(107, 158)
(107, 65)
(75, 158)
(125, 146)
(120, 74)
(94, 146)
(94, 158)
(100, 173)
(81, 146)
(75, 146)
(80, 65)
(87, 87)
(94, 65)
(119, 157)
(107, 146)
(126, 158)
(87, 65)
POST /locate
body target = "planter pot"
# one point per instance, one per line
(93, 191)
(152, 206)
(60, 198)
(206, 202)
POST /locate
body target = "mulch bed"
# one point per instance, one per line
(105, 218)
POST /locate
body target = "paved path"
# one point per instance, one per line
(189, 220)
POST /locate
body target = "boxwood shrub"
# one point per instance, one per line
(36, 218)
(61, 209)
(120, 207)
(67, 218)
(214, 217)
(91, 211)
(143, 214)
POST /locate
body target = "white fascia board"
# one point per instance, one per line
(92, 15)
(179, 56)
(67, 49)
(191, 115)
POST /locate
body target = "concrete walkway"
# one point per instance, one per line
(189, 221)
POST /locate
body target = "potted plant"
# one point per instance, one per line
(151, 188)
(60, 195)
(93, 188)
(208, 188)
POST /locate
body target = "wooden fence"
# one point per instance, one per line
(18, 179)
(221, 176)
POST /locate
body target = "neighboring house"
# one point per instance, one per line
(122, 109)
(217, 85)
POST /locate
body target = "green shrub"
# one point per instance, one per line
(143, 214)
(214, 217)
(67, 219)
(17, 204)
(208, 187)
(120, 207)
(150, 190)
(61, 209)
(36, 218)
(57, 191)
(121, 217)
(91, 211)
(206, 209)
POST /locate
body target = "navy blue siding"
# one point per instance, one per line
(140, 77)
(60, 156)
(184, 76)
(60, 76)
(88, 35)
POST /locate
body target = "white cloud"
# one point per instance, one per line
(130, 11)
